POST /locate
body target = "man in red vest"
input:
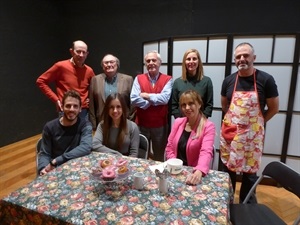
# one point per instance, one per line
(150, 95)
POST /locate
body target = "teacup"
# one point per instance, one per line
(174, 166)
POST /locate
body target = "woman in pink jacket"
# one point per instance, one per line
(192, 137)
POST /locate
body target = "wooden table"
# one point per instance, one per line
(71, 195)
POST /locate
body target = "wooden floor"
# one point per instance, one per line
(18, 167)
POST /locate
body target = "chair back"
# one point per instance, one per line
(38, 148)
(213, 158)
(284, 175)
(143, 147)
(38, 145)
(260, 213)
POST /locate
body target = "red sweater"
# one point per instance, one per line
(66, 76)
(154, 116)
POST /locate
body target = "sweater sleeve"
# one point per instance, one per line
(84, 147)
(209, 99)
(44, 155)
(134, 139)
(175, 100)
(47, 77)
(92, 105)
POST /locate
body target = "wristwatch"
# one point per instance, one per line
(52, 164)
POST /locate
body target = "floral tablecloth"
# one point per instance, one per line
(71, 195)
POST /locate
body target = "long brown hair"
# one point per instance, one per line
(199, 73)
(194, 96)
(106, 120)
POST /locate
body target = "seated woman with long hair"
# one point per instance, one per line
(192, 137)
(115, 133)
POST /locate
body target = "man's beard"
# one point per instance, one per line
(70, 118)
(243, 67)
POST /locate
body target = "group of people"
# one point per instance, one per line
(118, 108)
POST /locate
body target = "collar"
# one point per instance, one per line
(155, 78)
(74, 64)
(191, 77)
(67, 123)
(112, 80)
(72, 61)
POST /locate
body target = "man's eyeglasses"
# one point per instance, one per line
(109, 62)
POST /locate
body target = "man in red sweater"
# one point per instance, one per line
(150, 95)
(70, 74)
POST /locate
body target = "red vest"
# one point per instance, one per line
(154, 116)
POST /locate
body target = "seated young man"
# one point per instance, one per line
(65, 138)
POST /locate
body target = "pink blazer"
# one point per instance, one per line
(199, 151)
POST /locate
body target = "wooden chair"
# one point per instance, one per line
(259, 214)
(144, 147)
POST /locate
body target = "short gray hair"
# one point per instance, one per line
(153, 51)
(117, 60)
(245, 43)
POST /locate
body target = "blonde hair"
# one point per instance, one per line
(199, 72)
(191, 95)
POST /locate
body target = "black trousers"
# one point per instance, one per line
(248, 180)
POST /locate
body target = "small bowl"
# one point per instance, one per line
(174, 166)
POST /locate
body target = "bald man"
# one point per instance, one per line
(70, 74)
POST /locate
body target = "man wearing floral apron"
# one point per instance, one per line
(244, 96)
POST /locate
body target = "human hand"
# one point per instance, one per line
(47, 169)
(43, 171)
(194, 178)
(59, 105)
(87, 101)
(145, 96)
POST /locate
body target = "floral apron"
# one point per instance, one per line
(243, 153)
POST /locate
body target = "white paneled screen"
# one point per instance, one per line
(274, 55)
